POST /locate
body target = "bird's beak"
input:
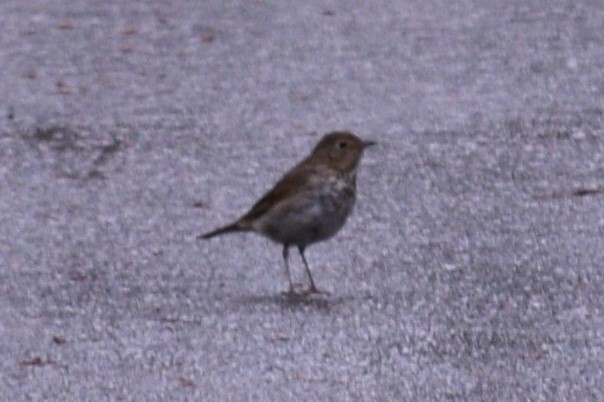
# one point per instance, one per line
(368, 143)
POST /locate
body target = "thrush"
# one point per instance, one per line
(310, 203)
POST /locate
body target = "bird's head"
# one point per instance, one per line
(340, 150)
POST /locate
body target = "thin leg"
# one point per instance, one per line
(313, 288)
(289, 276)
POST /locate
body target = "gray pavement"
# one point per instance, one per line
(471, 269)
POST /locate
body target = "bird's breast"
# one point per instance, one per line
(314, 214)
(336, 202)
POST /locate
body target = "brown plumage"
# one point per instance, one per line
(311, 202)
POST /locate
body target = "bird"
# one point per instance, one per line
(310, 203)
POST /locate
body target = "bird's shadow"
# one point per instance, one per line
(296, 301)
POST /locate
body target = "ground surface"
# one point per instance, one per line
(472, 268)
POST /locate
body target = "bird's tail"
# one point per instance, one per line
(233, 227)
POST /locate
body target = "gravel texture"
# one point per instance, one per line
(471, 269)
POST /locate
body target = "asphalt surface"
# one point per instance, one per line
(472, 267)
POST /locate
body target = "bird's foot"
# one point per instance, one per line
(293, 293)
(314, 290)
(296, 292)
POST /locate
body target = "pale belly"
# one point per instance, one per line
(315, 216)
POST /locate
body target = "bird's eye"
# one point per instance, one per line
(342, 144)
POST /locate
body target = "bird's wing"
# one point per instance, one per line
(290, 184)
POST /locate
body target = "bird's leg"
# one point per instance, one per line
(289, 276)
(313, 288)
